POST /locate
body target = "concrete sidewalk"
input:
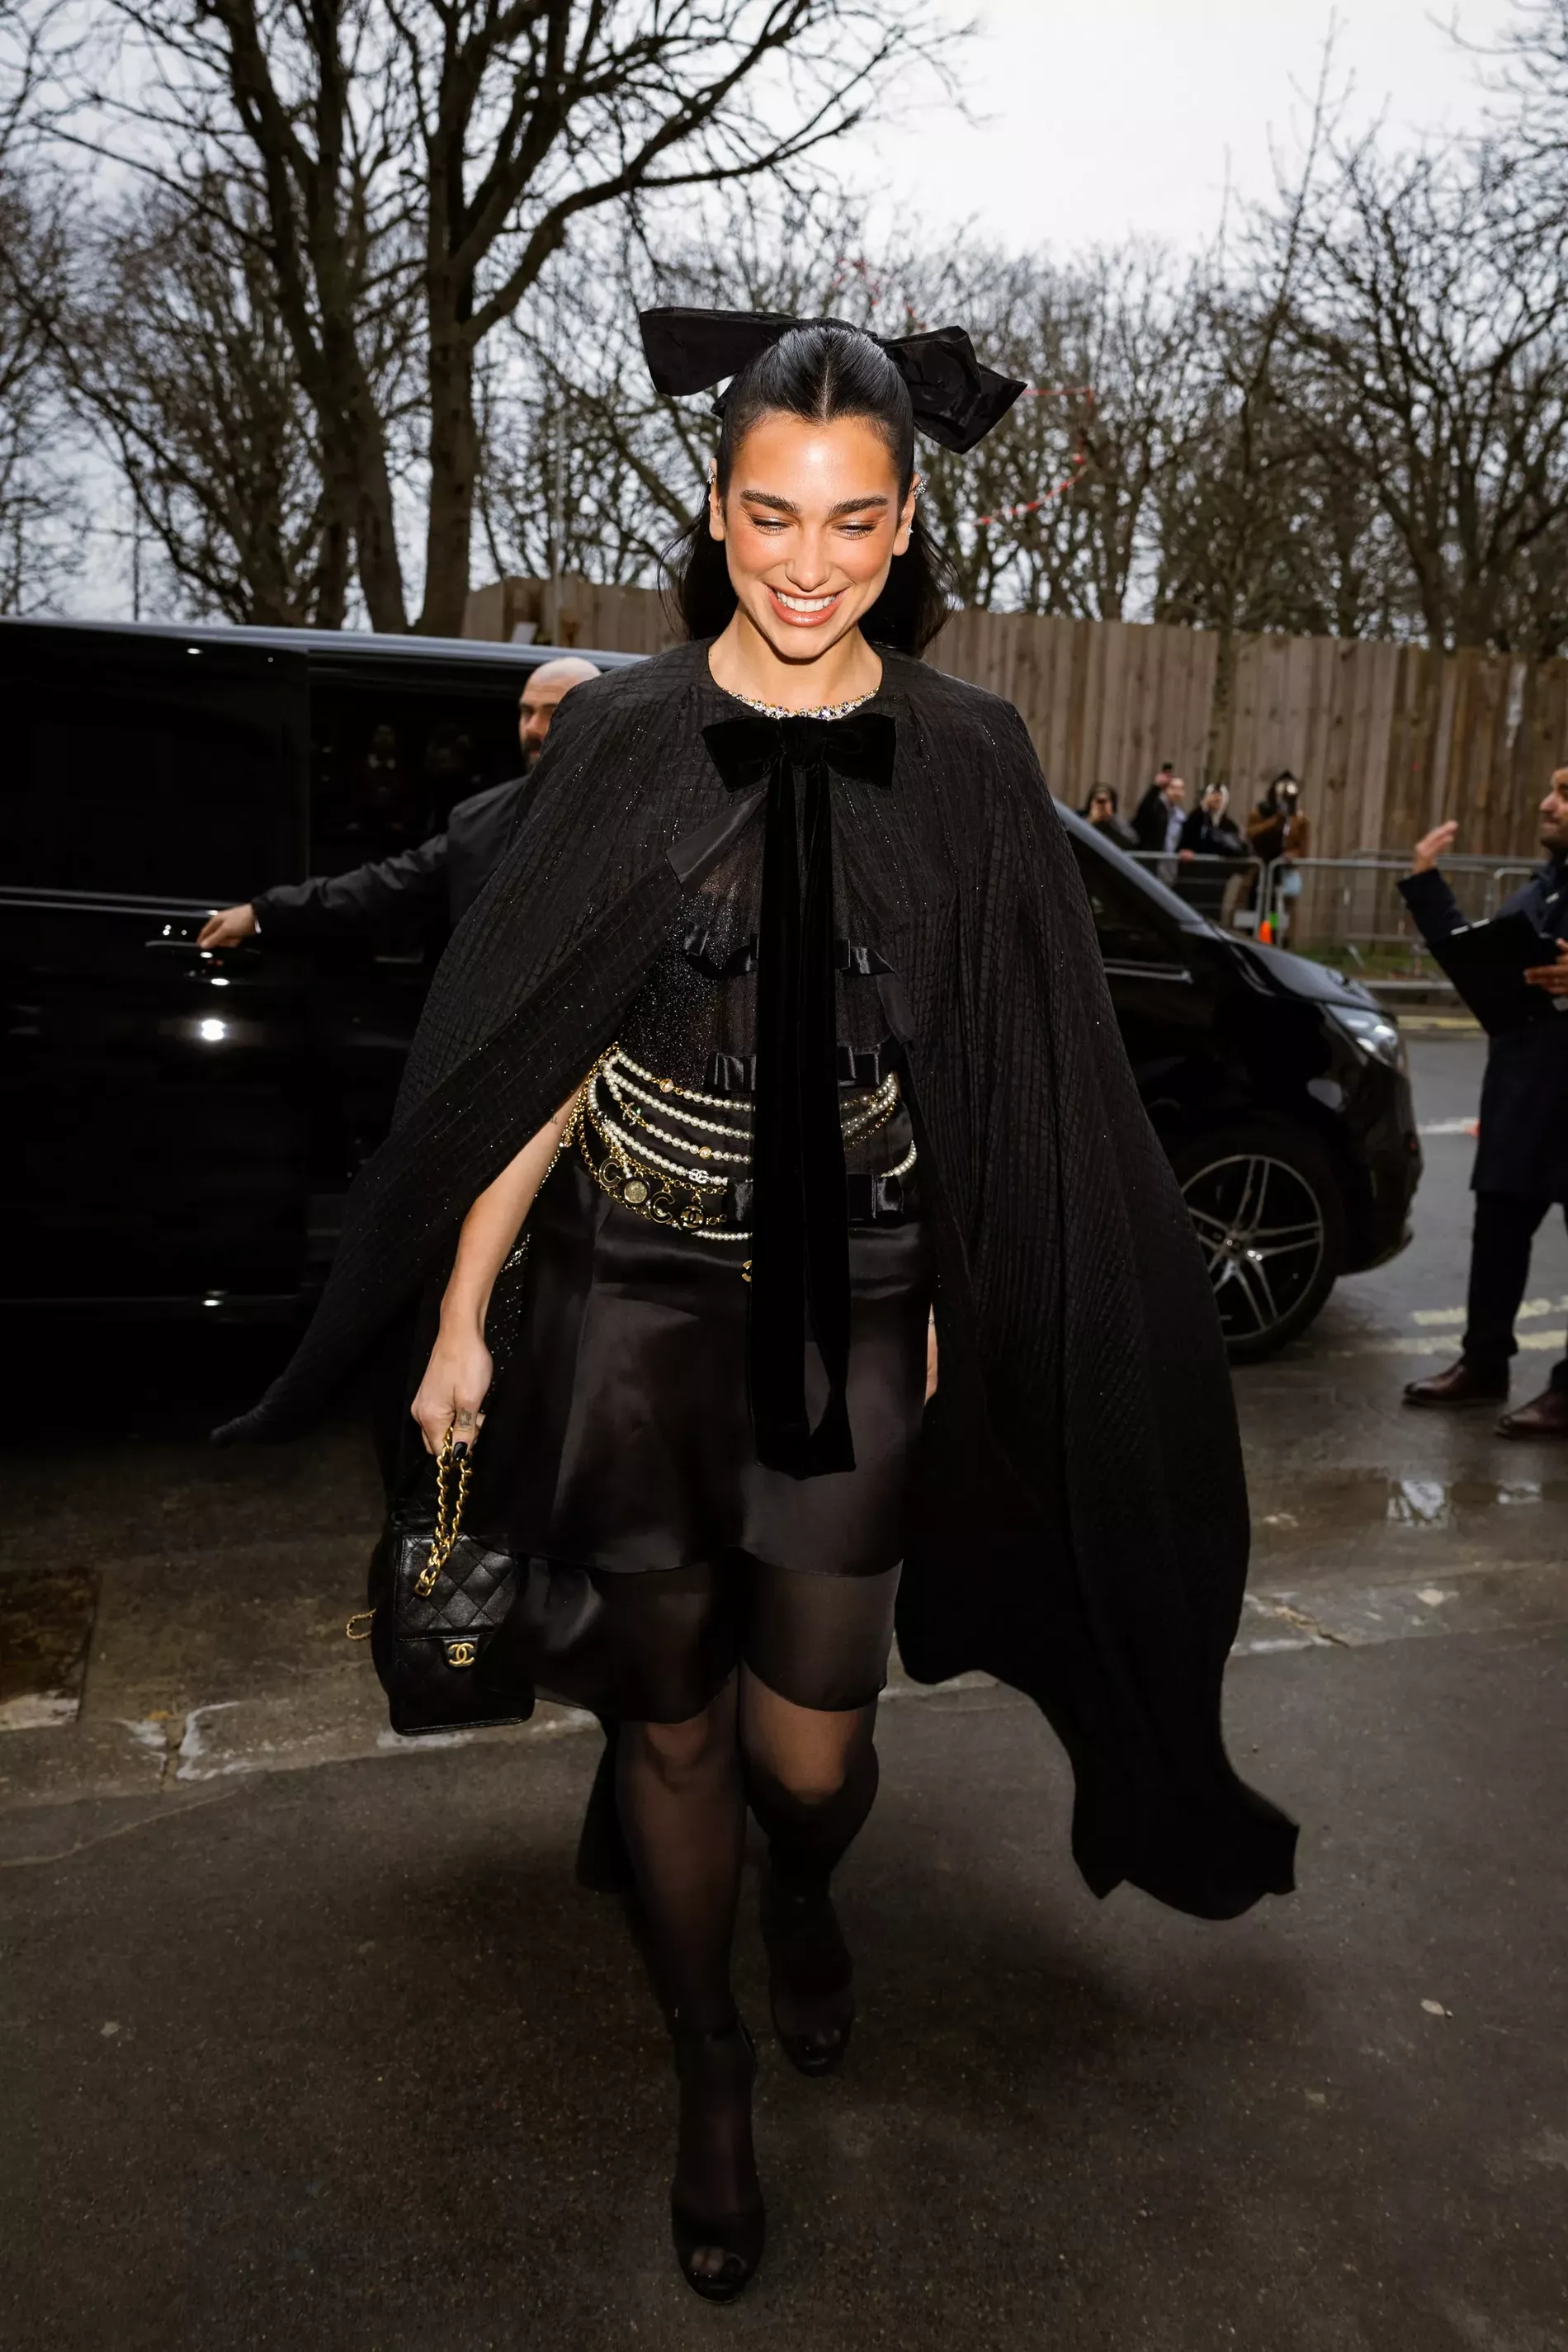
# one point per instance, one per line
(341, 2059)
(310, 2040)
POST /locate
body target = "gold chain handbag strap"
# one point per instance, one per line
(448, 1513)
(448, 1526)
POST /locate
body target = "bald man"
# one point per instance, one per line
(444, 874)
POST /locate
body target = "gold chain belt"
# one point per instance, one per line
(650, 1144)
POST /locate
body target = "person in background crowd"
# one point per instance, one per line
(1100, 809)
(1210, 832)
(1521, 1157)
(444, 875)
(1277, 828)
(1158, 818)
(1278, 833)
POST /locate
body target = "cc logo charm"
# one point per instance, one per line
(461, 1654)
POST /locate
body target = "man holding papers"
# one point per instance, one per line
(1521, 1157)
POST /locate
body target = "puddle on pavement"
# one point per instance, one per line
(1362, 1501)
(45, 1624)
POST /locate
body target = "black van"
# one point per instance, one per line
(181, 1126)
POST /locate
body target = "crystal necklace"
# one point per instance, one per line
(823, 710)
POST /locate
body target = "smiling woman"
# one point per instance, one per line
(815, 551)
(801, 908)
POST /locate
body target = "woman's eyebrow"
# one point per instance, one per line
(844, 506)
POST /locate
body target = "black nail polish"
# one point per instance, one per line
(460, 1448)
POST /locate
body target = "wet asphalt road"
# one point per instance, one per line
(332, 2054)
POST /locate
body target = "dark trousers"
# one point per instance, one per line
(1505, 1227)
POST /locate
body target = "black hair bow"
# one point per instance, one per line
(956, 400)
(800, 1223)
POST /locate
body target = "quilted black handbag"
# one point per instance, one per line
(437, 1600)
(460, 1635)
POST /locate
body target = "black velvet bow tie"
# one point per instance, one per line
(800, 1246)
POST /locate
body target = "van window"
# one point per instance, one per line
(388, 758)
(1127, 931)
(135, 779)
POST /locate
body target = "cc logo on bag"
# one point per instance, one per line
(461, 1654)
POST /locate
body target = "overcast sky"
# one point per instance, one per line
(1117, 116)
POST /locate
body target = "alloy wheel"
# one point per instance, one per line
(1263, 1234)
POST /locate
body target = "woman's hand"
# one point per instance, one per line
(457, 1381)
(931, 1359)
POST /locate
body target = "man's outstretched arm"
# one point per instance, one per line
(365, 898)
(1432, 904)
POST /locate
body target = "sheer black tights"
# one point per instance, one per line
(811, 1779)
(682, 1789)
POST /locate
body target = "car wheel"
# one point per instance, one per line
(1270, 1223)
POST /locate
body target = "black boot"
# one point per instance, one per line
(811, 1977)
(716, 2214)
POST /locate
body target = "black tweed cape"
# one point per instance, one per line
(1082, 1512)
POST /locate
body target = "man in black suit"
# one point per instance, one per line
(444, 875)
(1521, 1159)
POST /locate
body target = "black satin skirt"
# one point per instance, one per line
(617, 1436)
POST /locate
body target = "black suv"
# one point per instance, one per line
(181, 1125)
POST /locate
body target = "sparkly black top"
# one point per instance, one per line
(694, 1021)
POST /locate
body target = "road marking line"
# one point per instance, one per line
(1437, 1346)
(1457, 1314)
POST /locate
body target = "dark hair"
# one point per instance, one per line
(1102, 792)
(818, 371)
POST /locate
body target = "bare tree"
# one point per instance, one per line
(168, 337)
(39, 551)
(458, 143)
(1052, 513)
(1431, 343)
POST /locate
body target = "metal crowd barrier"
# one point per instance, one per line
(1340, 909)
(1231, 891)
(1349, 909)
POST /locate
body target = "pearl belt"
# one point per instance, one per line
(667, 1170)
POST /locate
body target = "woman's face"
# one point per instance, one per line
(811, 521)
(1099, 806)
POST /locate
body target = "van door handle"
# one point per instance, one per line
(191, 948)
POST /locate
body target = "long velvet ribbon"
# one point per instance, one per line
(800, 1248)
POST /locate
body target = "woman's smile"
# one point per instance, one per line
(803, 611)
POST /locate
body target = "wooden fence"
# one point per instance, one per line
(1388, 739)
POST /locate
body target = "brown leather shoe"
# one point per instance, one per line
(1460, 1384)
(1544, 1416)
